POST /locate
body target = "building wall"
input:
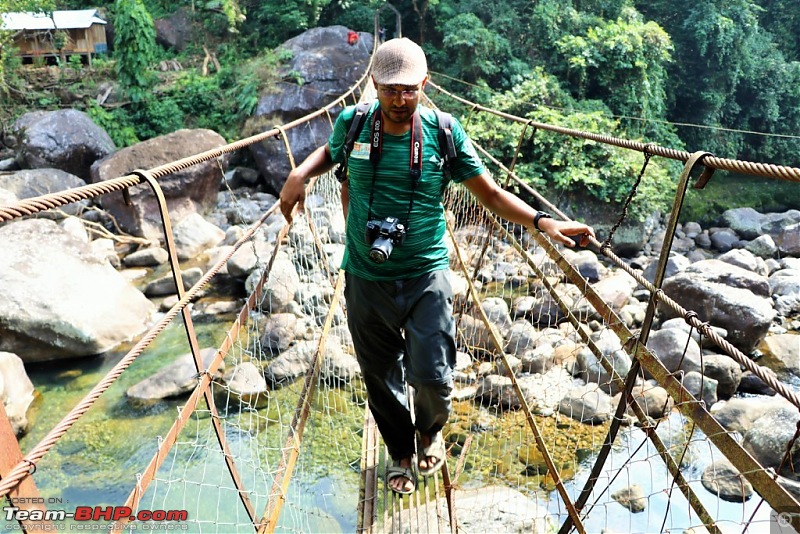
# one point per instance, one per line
(90, 40)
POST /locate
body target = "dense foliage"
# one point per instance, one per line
(716, 75)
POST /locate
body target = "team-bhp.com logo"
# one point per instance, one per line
(80, 518)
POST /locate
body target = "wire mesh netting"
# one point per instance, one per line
(562, 417)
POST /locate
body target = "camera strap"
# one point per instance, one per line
(415, 155)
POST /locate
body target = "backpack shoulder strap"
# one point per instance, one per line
(356, 126)
(446, 144)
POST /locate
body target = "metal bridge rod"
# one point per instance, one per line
(518, 390)
(746, 167)
(26, 495)
(630, 380)
(611, 318)
(191, 335)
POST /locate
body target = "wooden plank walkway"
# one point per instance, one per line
(383, 511)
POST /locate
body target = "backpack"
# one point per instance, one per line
(447, 146)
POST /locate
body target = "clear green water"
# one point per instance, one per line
(97, 461)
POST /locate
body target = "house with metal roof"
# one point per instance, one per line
(59, 34)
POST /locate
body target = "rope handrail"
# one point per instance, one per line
(767, 170)
(30, 206)
(688, 316)
(36, 204)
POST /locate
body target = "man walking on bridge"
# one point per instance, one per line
(399, 298)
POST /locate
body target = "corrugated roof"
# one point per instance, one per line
(62, 20)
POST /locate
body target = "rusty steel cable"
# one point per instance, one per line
(688, 316)
(767, 170)
(10, 480)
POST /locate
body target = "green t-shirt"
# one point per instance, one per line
(424, 248)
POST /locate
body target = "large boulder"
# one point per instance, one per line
(65, 139)
(176, 30)
(769, 437)
(191, 190)
(61, 298)
(16, 391)
(328, 67)
(727, 296)
(173, 380)
(37, 182)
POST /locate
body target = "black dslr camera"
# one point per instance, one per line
(383, 235)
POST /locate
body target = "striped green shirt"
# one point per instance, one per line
(424, 248)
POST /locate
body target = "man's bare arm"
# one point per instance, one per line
(513, 209)
(294, 189)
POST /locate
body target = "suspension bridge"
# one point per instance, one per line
(275, 461)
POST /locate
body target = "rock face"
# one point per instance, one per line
(191, 190)
(16, 391)
(31, 183)
(176, 30)
(328, 67)
(728, 297)
(66, 139)
(60, 298)
(178, 378)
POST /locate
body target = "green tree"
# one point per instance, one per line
(560, 166)
(272, 22)
(623, 63)
(782, 19)
(6, 37)
(729, 73)
(475, 52)
(134, 48)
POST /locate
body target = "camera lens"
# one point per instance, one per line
(377, 255)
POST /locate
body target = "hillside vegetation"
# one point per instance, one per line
(716, 75)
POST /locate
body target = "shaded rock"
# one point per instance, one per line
(338, 367)
(788, 240)
(282, 284)
(654, 400)
(763, 246)
(675, 350)
(194, 234)
(65, 139)
(701, 387)
(328, 67)
(474, 334)
(675, 264)
(739, 413)
(587, 404)
(291, 364)
(176, 30)
(727, 296)
(166, 284)
(724, 239)
(726, 371)
(37, 182)
(724, 480)
(631, 498)
(769, 435)
(752, 383)
(782, 353)
(191, 190)
(148, 257)
(744, 221)
(247, 384)
(178, 378)
(280, 331)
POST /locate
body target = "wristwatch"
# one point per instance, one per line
(540, 215)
